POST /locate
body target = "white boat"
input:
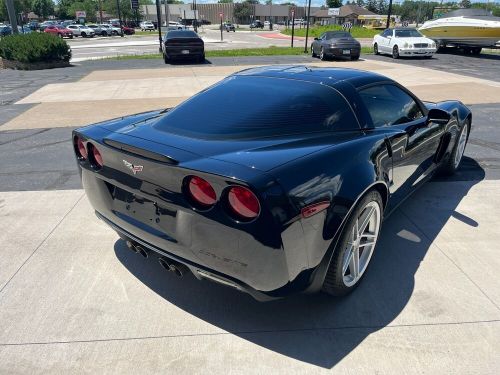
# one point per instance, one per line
(470, 29)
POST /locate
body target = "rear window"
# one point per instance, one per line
(251, 107)
(182, 34)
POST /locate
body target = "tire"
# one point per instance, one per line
(456, 156)
(104, 33)
(115, 33)
(395, 52)
(375, 49)
(83, 35)
(201, 59)
(341, 279)
(476, 51)
(166, 59)
(71, 36)
(322, 54)
(313, 54)
(355, 57)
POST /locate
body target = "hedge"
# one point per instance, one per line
(34, 48)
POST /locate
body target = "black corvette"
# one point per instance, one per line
(274, 180)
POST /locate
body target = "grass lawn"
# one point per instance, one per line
(356, 32)
(270, 51)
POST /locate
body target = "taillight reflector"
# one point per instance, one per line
(243, 202)
(201, 191)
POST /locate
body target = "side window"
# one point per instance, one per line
(389, 105)
(322, 37)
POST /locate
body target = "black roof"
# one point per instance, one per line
(323, 75)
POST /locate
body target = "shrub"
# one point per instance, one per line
(34, 47)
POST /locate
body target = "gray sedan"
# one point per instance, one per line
(99, 30)
(336, 44)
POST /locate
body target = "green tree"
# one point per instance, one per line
(225, 1)
(89, 6)
(382, 7)
(42, 8)
(333, 3)
(371, 5)
(243, 11)
(360, 3)
(21, 6)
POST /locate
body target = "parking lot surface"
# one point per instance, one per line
(74, 299)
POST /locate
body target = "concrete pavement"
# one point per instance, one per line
(74, 299)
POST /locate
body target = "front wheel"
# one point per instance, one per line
(395, 52)
(166, 59)
(375, 49)
(455, 158)
(356, 245)
(313, 54)
(322, 54)
(83, 35)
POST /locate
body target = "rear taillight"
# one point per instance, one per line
(95, 157)
(243, 203)
(80, 150)
(201, 192)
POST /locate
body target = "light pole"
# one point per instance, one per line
(12, 15)
(158, 19)
(119, 16)
(307, 25)
(388, 23)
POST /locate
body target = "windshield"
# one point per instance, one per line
(254, 107)
(410, 33)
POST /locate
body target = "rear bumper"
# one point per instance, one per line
(177, 52)
(339, 51)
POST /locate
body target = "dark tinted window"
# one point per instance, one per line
(251, 107)
(333, 35)
(181, 34)
(389, 105)
(409, 33)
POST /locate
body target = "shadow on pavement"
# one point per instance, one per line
(315, 328)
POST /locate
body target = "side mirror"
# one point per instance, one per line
(438, 116)
(316, 38)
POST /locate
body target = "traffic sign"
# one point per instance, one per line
(405, 24)
(347, 26)
(221, 14)
(134, 4)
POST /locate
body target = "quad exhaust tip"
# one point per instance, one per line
(138, 249)
(171, 266)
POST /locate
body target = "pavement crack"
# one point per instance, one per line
(256, 332)
(40, 245)
(25, 136)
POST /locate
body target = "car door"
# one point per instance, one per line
(413, 140)
(386, 43)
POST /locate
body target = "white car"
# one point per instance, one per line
(110, 29)
(81, 30)
(403, 42)
(147, 25)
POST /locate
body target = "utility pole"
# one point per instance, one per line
(119, 17)
(167, 13)
(100, 11)
(158, 19)
(195, 17)
(12, 15)
(388, 23)
(307, 24)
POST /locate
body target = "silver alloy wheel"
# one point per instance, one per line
(363, 238)
(461, 146)
(321, 54)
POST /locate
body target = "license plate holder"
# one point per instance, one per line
(346, 51)
(185, 52)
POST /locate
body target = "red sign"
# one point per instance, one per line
(221, 14)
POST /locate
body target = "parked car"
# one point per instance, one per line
(5, 30)
(59, 30)
(175, 25)
(335, 44)
(231, 186)
(257, 25)
(147, 25)
(43, 25)
(81, 30)
(228, 27)
(99, 30)
(182, 44)
(399, 42)
(34, 25)
(24, 29)
(128, 30)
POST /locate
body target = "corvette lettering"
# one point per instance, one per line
(132, 167)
